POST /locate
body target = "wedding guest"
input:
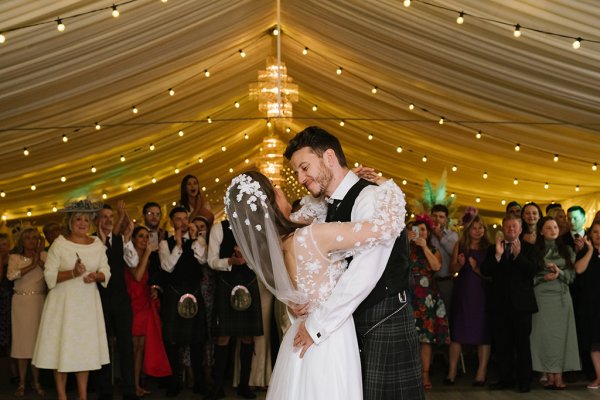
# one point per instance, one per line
(560, 217)
(428, 306)
(443, 239)
(588, 307)
(152, 215)
(6, 292)
(51, 233)
(574, 238)
(148, 348)
(530, 215)
(72, 334)
(469, 319)
(192, 199)
(511, 265)
(553, 336)
(514, 208)
(26, 269)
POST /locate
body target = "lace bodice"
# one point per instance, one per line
(321, 249)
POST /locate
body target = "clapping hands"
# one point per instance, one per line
(553, 273)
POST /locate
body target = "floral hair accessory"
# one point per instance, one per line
(82, 206)
(426, 219)
(246, 186)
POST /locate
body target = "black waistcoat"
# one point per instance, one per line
(239, 274)
(187, 273)
(116, 285)
(396, 276)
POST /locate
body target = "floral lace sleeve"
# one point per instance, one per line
(340, 240)
(312, 210)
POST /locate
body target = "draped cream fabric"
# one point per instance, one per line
(477, 74)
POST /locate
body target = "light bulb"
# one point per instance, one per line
(33, 187)
(441, 121)
(454, 168)
(152, 147)
(374, 90)
(424, 159)
(176, 170)
(200, 160)
(342, 123)
(546, 186)
(180, 133)
(4, 217)
(577, 43)
(25, 151)
(134, 110)
(164, 1)
(503, 202)
(59, 25)
(478, 135)
(223, 148)
(2, 38)
(577, 188)
(217, 180)
(204, 188)
(315, 108)
(54, 209)
(129, 188)
(288, 129)
(398, 149)
(477, 200)
(242, 53)
(517, 31)
(104, 196)
(275, 32)
(518, 147)
(370, 137)
(411, 106)
(339, 70)
(595, 167)
(63, 178)
(406, 3)
(356, 165)
(404, 181)
(236, 104)
(230, 170)
(3, 194)
(209, 120)
(115, 11)
(153, 180)
(98, 127)
(29, 213)
(93, 169)
(305, 51)
(555, 158)
(494, 226)
(246, 136)
(174, 203)
(65, 139)
(269, 124)
(206, 73)
(122, 158)
(452, 195)
(171, 92)
(247, 161)
(515, 181)
(460, 20)
(485, 175)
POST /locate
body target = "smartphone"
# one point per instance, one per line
(415, 229)
(153, 238)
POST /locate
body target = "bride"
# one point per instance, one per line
(301, 264)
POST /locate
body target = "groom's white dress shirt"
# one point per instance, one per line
(363, 272)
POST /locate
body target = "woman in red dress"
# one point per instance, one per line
(148, 349)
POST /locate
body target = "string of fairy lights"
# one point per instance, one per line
(242, 50)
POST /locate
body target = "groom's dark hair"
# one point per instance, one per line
(319, 140)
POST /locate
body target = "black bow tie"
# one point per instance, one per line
(332, 209)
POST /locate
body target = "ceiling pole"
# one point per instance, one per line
(279, 105)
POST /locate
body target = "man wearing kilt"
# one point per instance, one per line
(182, 308)
(237, 309)
(375, 285)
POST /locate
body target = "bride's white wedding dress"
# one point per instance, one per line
(331, 370)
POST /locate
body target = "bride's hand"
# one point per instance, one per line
(302, 339)
(298, 310)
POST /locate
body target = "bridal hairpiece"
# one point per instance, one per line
(82, 206)
(246, 186)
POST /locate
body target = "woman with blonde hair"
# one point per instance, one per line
(469, 320)
(26, 269)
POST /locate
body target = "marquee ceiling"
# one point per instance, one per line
(535, 90)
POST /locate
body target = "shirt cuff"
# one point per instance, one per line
(315, 330)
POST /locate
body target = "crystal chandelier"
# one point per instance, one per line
(270, 159)
(274, 90)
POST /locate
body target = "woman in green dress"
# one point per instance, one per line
(553, 335)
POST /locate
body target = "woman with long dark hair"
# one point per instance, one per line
(193, 201)
(530, 215)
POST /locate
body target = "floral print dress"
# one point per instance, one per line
(429, 308)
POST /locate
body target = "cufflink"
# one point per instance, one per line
(319, 335)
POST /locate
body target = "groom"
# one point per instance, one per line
(374, 287)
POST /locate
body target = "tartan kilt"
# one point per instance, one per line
(177, 329)
(391, 359)
(230, 322)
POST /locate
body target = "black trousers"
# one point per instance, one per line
(118, 320)
(512, 329)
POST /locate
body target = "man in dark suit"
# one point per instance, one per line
(511, 265)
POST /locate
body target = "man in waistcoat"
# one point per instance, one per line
(182, 308)
(237, 308)
(375, 286)
(116, 302)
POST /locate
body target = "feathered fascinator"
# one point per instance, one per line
(425, 218)
(432, 196)
(82, 206)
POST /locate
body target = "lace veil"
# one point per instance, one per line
(252, 221)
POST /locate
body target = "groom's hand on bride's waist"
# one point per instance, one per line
(298, 310)
(302, 339)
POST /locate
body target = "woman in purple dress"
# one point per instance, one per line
(469, 322)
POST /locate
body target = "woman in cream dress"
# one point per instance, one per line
(26, 269)
(72, 334)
